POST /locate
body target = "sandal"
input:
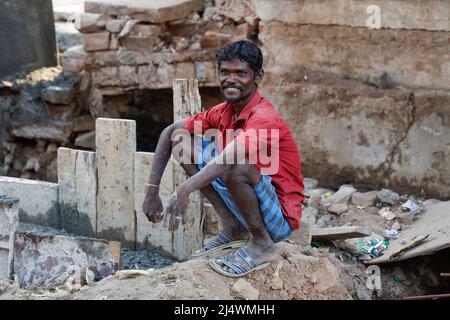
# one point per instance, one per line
(237, 269)
(221, 242)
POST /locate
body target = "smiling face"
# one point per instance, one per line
(237, 80)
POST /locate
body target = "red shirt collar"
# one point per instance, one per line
(246, 111)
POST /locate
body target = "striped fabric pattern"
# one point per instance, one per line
(269, 205)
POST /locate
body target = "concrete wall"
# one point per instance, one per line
(27, 35)
(366, 106)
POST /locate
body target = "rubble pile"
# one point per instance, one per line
(115, 62)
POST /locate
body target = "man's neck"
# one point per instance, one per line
(239, 105)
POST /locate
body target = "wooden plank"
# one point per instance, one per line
(189, 237)
(116, 145)
(429, 297)
(434, 221)
(152, 236)
(339, 233)
(77, 191)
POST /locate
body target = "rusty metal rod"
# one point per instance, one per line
(431, 296)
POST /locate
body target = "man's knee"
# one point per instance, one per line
(242, 173)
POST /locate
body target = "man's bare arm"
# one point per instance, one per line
(152, 205)
(234, 153)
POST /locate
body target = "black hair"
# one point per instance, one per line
(244, 50)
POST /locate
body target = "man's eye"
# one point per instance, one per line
(242, 73)
(223, 72)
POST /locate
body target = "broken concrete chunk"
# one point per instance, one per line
(364, 199)
(388, 197)
(86, 140)
(341, 196)
(309, 183)
(58, 95)
(337, 233)
(89, 22)
(155, 11)
(75, 59)
(115, 25)
(303, 235)
(386, 213)
(338, 208)
(39, 257)
(55, 131)
(242, 289)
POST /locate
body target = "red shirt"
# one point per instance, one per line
(256, 115)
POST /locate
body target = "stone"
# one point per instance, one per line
(146, 30)
(303, 235)
(236, 10)
(75, 59)
(138, 44)
(388, 197)
(83, 123)
(243, 31)
(77, 191)
(150, 11)
(364, 199)
(89, 22)
(96, 41)
(106, 76)
(128, 76)
(342, 196)
(67, 36)
(376, 78)
(38, 200)
(432, 15)
(338, 208)
(276, 283)
(56, 132)
(314, 200)
(310, 184)
(181, 44)
(32, 164)
(115, 25)
(213, 39)
(185, 70)
(114, 43)
(396, 226)
(39, 257)
(115, 147)
(242, 289)
(85, 140)
(58, 94)
(205, 72)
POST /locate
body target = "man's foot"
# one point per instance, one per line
(220, 242)
(244, 260)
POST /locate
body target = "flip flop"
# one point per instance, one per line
(237, 270)
(221, 242)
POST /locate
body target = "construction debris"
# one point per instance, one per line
(339, 233)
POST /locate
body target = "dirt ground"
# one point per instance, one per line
(299, 273)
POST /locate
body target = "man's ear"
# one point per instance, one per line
(259, 76)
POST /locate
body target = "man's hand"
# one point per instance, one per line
(176, 208)
(152, 206)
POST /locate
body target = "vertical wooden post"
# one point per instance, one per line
(77, 191)
(189, 237)
(116, 145)
(9, 223)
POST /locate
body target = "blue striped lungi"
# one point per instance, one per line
(269, 205)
